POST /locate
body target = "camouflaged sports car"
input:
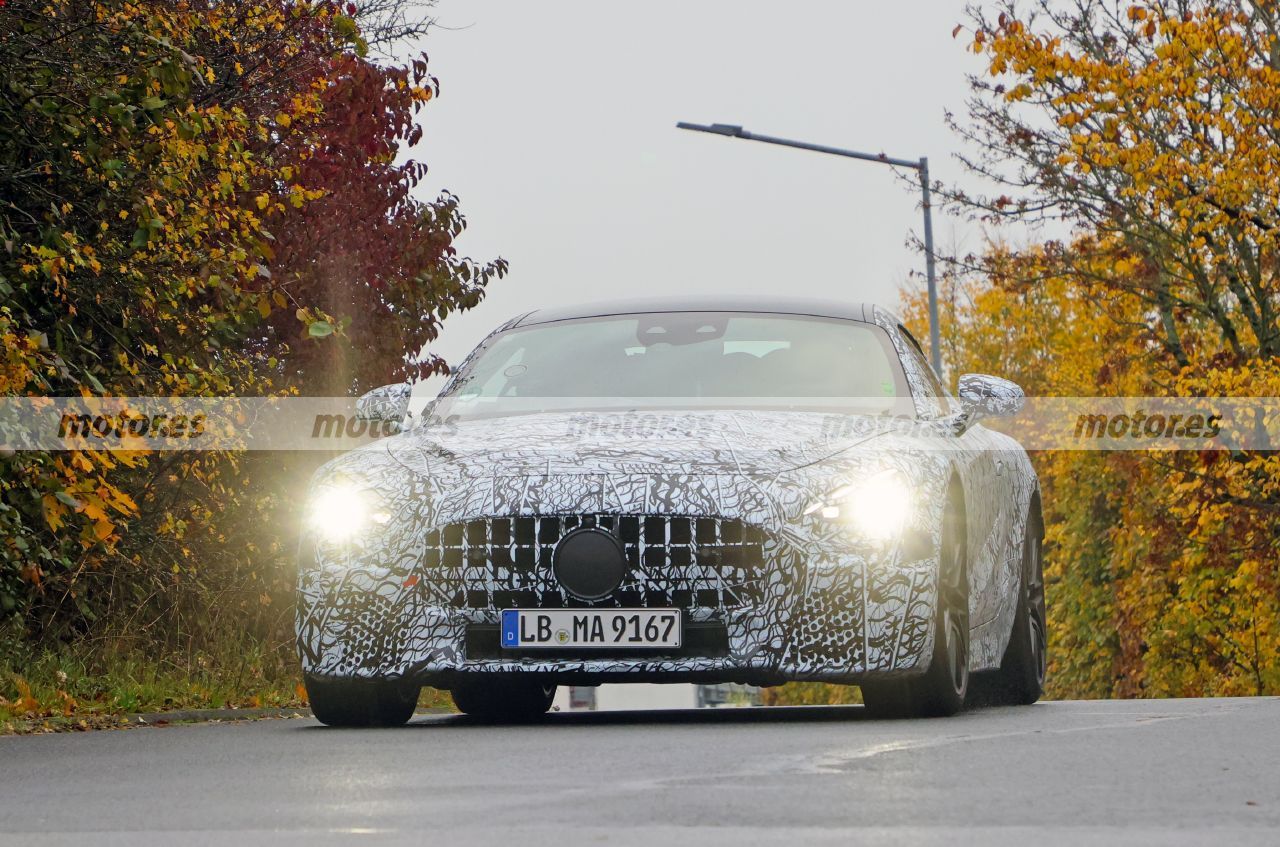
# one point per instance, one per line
(697, 491)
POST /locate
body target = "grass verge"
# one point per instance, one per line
(94, 684)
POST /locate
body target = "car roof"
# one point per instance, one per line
(841, 309)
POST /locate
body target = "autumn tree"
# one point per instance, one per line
(199, 199)
(1149, 131)
(1153, 128)
(128, 257)
(367, 250)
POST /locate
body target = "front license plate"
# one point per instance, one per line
(591, 628)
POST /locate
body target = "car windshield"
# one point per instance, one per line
(682, 360)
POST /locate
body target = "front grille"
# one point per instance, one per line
(680, 561)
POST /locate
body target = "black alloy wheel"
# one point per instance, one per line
(942, 689)
(503, 700)
(360, 702)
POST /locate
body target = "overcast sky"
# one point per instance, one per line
(556, 128)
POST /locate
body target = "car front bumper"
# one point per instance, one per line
(811, 610)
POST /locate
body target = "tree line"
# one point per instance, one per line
(1151, 133)
(201, 198)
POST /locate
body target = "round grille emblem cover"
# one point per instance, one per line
(589, 563)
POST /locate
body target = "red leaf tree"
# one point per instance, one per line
(360, 247)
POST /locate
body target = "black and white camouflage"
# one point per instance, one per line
(715, 509)
(994, 395)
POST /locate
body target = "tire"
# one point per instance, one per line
(503, 700)
(941, 691)
(360, 703)
(1020, 680)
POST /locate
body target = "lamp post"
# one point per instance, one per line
(920, 166)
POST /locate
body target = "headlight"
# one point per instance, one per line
(341, 513)
(877, 507)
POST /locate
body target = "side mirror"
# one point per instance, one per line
(386, 403)
(990, 395)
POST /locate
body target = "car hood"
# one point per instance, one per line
(702, 442)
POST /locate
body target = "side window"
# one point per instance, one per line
(931, 397)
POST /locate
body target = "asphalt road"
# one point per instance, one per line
(1136, 772)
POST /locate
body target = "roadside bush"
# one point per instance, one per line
(201, 199)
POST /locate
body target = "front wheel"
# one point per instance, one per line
(504, 700)
(941, 691)
(361, 703)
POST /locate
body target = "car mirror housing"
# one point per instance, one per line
(386, 403)
(983, 395)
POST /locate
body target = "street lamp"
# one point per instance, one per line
(920, 166)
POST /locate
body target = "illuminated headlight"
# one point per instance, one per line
(344, 512)
(877, 507)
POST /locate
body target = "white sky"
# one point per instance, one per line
(556, 128)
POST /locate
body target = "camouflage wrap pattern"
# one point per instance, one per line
(817, 602)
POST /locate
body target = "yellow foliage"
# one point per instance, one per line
(1161, 569)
